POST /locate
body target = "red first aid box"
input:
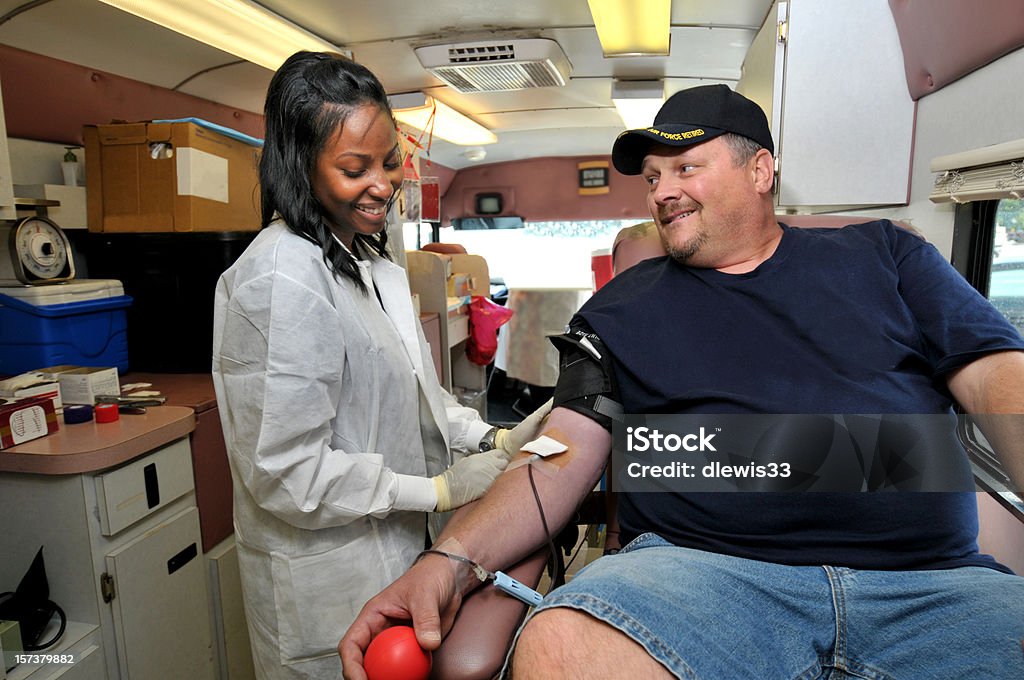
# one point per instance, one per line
(26, 419)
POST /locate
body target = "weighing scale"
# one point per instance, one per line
(34, 251)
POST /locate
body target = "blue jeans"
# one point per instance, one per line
(709, 616)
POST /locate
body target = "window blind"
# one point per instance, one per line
(988, 173)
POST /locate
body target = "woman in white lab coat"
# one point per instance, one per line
(340, 438)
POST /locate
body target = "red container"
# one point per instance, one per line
(601, 265)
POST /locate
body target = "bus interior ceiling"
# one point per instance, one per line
(863, 90)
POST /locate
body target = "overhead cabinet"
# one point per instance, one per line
(830, 77)
(7, 210)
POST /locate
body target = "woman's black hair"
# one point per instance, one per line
(309, 97)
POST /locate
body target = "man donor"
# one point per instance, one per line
(749, 316)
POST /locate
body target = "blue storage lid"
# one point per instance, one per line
(67, 308)
(226, 131)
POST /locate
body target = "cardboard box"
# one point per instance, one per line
(164, 177)
(26, 419)
(81, 385)
(51, 372)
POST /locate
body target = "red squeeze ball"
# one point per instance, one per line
(396, 655)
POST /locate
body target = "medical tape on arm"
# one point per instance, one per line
(539, 449)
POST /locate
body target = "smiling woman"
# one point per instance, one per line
(330, 141)
(358, 174)
(340, 437)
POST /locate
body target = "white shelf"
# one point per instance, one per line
(458, 330)
(428, 278)
(70, 644)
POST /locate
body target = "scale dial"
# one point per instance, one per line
(40, 252)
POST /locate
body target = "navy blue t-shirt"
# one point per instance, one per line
(865, 319)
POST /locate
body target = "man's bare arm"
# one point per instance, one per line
(505, 525)
(497, 531)
(992, 390)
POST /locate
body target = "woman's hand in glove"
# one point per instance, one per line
(512, 441)
(468, 479)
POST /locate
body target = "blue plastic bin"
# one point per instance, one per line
(86, 333)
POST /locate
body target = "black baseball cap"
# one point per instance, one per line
(692, 116)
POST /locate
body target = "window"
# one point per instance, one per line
(1006, 271)
(541, 254)
(988, 249)
(415, 234)
(478, 223)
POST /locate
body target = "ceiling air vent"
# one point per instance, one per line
(497, 65)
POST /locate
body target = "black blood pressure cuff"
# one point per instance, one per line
(585, 378)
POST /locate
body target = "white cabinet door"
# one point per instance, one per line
(231, 631)
(832, 83)
(161, 616)
(7, 210)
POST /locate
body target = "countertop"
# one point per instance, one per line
(194, 390)
(91, 446)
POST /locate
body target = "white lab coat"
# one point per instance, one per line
(324, 395)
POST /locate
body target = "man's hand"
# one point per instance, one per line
(490, 533)
(428, 595)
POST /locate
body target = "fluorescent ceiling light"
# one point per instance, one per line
(239, 27)
(637, 101)
(632, 27)
(417, 110)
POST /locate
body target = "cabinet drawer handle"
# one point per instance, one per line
(181, 559)
(152, 485)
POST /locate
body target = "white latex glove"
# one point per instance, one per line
(468, 478)
(511, 441)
